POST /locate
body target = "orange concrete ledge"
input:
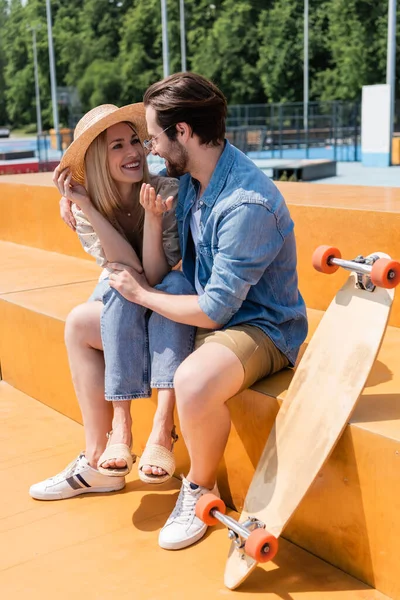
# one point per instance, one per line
(357, 219)
(25, 268)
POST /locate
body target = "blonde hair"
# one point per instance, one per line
(102, 188)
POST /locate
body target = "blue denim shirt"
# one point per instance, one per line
(246, 251)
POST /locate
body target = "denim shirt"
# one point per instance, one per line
(246, 251)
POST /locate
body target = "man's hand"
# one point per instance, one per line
(128, 282)
(153, 203)
(66, 213)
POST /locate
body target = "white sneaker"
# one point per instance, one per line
(77, 478)
(183, 528)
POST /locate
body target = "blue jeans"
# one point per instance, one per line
(142, 349)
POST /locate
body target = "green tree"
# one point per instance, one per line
(19, 76)
(228, 51)
(85, 32)
(140, 54)
(100, 84)
(347, 39)
(3, 25)
(111, 50)
(280, 66)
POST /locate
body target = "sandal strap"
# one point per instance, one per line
(117, 452)
(158, 456)
(174, 437)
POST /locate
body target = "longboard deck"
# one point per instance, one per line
(319, 402)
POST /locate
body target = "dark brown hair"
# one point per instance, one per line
(192, 99)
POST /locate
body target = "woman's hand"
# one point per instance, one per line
(66, 213)
(71, 190)
(153, 203)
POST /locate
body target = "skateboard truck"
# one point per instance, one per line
(371, 271)
(240, 532)
(250, 537)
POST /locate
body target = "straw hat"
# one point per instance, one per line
(92, 124)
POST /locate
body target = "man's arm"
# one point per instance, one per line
(181, 309)
(248, 242)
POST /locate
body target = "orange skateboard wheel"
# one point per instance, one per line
(321, 256)
(261, 545)
(205, 505)
(385, 273)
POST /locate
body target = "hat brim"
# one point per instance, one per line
(74, 156)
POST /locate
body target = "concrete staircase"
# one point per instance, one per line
(351, 516)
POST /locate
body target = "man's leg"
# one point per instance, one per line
(203, 384)
(227, 362)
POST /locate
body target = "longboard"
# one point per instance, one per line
(320, 400)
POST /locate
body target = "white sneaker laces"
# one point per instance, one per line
(68, 471)
(186, 504)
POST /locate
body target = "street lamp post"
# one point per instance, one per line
(53, 81)
(37, 91)
(183, 35)
(164, 25)
(305, 82)
(391, 65)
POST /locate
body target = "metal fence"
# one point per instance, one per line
(279, 131)
(273, 131)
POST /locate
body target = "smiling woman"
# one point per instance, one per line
(122, 215)
(115, 164)
(108, 157)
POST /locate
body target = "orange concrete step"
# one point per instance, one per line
(66, 282)
(105, 546)
(25, 268)
(344, 518)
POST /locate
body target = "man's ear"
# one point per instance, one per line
(183, 132)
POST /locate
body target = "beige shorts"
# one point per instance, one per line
(255, 350)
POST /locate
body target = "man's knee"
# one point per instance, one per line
(190, 390)
(175, 283)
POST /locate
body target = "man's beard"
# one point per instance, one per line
(177, 166)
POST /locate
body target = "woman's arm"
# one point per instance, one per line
(111, 242)
(155, 262)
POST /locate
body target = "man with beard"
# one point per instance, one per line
(238, 250)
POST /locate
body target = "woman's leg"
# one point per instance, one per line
(163, 424)
(170, 343)
(127, 372)
(84, 347)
